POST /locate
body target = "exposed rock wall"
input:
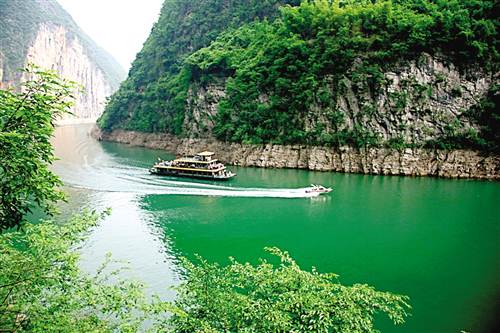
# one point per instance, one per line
(1, 70)
(417, 101)
(57, 49)
(201, 108)
(414, 102)
(408, 162)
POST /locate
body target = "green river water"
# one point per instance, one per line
(435, 240)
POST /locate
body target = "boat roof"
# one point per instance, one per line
(206, 153)
(192, 160)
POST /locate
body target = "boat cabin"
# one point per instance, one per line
(205, 156)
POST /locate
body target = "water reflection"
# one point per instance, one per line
(132, 236)
(129, 233)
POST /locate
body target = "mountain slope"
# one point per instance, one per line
(153, 96)
(400, 74)
(42, 32)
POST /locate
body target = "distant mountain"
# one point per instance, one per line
(43, 33)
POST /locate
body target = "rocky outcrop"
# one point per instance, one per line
(43, 33)
(54, 48)
(201, 108)
(380, 161)
(415, 102)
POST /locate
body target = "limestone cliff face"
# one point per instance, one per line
(380, 161)
(43, 33)
(201, 108)
(417, 101)
(54, 48)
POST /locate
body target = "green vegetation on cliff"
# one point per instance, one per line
(289, 60)
(153, 97)
(19, 24)
(276, 69)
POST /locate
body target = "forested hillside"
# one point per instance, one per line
(153, 96)
(402, 73)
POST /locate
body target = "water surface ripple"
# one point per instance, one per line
(436, 240)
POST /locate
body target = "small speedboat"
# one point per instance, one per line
(318, 189)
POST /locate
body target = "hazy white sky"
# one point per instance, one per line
(119, 26)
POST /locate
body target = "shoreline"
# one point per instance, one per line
(463, 164)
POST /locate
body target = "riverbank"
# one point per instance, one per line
(383, 161)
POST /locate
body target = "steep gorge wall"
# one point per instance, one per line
(55, 48)
(416, 101)
(380, 161)
(43, 33)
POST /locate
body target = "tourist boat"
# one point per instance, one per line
(201, 165)
(318, 189)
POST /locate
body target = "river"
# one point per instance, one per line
(435, 240)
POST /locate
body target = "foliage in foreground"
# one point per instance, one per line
(26, 127)
(41, 287)
(43, 290)
(269, 298)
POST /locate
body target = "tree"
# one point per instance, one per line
(26, 126)
(269, 298)
(41, 286)
(43, 290)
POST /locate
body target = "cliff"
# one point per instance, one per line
(418, 101)
(378, 161)
(42, 33)
(388, 81)
(152, 98)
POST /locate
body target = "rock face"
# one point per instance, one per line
(421, 100)
(417, 101)
(43, 33)
(54, 48)
(201, 108)
(408, 162)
